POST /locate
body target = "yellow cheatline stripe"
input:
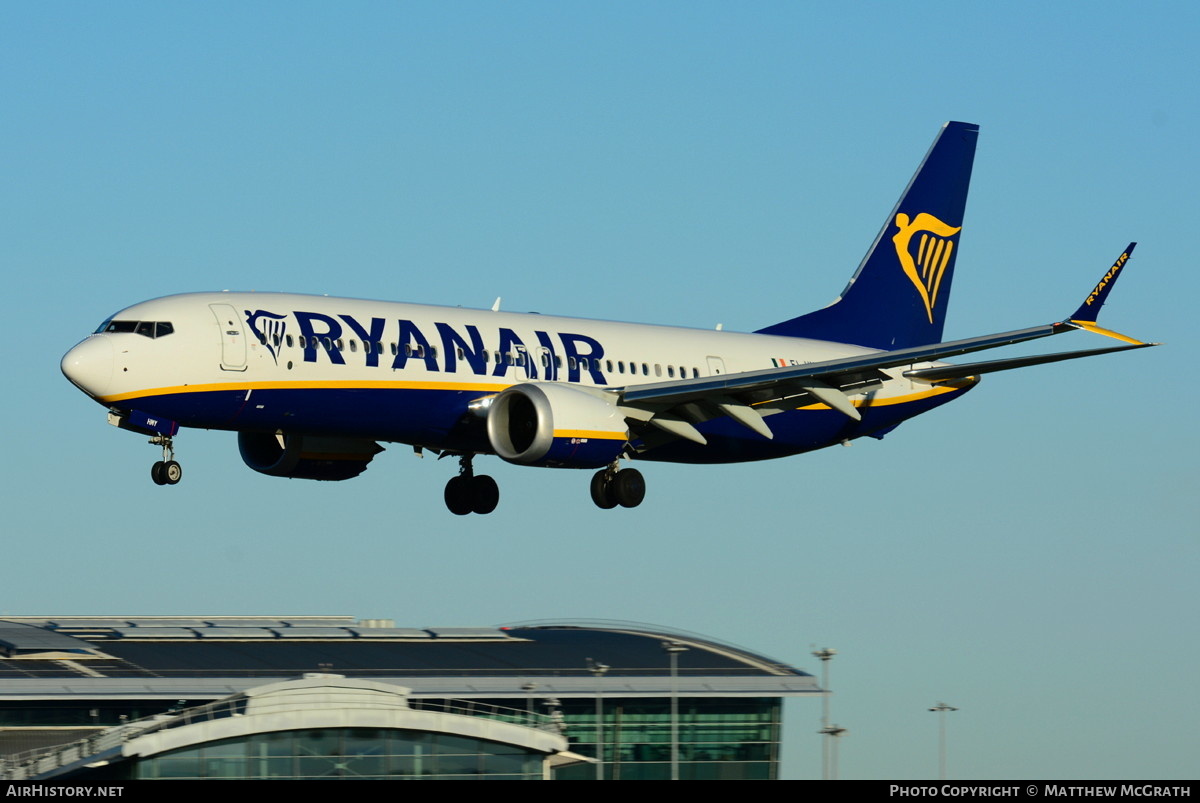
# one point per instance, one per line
(590, 433)
(362, 384)
(352, 384)
(1100, 330)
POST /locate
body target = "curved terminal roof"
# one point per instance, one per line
(206, 657)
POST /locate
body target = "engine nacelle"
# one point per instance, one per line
(542, 424)
(306, 457)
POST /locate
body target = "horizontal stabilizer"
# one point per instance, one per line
(950, 372)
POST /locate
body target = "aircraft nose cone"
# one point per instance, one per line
(90, 365)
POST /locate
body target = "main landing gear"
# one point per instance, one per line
(468, 493)
(166, 471)
(610, 487)
(471, 493)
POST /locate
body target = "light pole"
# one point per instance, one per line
(941, 709)
(825, 655)
(834, 732)
(528, 687)
(598, 670)
(673, 649)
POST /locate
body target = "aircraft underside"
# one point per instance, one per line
(446, 420)
(273, 423)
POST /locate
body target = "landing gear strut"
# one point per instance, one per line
(611, 487)
(166, 471)
(468, 493)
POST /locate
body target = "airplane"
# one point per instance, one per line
(313, 385)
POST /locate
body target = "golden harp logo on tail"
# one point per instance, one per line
(925, 257)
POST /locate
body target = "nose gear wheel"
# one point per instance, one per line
(166, 471)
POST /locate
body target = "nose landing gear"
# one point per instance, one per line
(468, 493)
(166, 471)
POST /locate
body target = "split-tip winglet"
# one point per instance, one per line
(1085, 317)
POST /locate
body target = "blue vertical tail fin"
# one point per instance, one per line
(899, 294)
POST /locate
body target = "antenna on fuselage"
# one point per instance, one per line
(496, 304)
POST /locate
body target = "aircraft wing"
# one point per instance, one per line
(676, 406)
(951, 372)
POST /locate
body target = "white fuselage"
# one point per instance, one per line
(387, 371)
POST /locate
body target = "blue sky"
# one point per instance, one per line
(1027, 554)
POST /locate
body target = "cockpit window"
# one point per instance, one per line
(151, 329)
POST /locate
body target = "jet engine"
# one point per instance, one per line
(541, 424)
(306, 457)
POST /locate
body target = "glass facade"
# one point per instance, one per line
(343, 753)
(719, 739)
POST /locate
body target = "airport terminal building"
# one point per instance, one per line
(337, 697)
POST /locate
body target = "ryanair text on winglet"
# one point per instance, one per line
(1107, 277)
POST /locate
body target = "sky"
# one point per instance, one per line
(1027, 554)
